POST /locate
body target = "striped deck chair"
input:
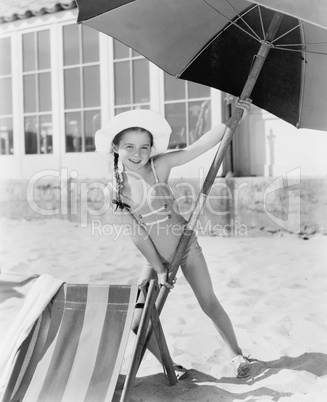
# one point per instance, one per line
(75, 351)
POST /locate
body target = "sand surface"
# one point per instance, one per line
(274, 289)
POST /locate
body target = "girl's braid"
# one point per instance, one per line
(119, 183)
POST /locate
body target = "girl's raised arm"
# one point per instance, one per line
(202, 145)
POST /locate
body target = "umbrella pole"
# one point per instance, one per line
(209, 180)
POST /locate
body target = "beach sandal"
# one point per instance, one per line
(242, 366)
(180, 371)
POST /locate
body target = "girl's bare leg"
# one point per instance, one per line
(197, 274)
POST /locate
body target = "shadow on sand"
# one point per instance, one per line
(9, 283)
(314, 363)
(200, 386)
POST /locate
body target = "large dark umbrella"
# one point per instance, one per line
(236, 46)
(214, 43)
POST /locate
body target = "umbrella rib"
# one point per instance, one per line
(232, 22)
(213, 39)
(241, 18)
(301, 44)
(242, 29)
(286, 33)
(303, 75)
(300, 51)
(261, 21)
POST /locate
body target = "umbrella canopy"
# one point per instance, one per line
(313, 11)
(214, 43)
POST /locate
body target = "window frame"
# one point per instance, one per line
(37, 72)
(130, 59)
(11, 76)
(186, 101)
(82, 109)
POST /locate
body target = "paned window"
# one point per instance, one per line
(132, 79)
(187, 109)
(37, 92)
(6, 109)
(82, 99)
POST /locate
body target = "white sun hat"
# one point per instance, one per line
(150, 121)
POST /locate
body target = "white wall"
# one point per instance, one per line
(268, 146)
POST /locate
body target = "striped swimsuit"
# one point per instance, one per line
(160, 218)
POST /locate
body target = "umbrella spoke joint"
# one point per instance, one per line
(267, 43)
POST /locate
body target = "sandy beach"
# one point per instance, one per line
(273, 287)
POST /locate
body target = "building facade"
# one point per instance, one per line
(60, 81)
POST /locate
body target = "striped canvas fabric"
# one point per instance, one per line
(76, 348)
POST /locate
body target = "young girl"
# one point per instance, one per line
(138, 140)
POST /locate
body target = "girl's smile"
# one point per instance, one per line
(134, 149)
